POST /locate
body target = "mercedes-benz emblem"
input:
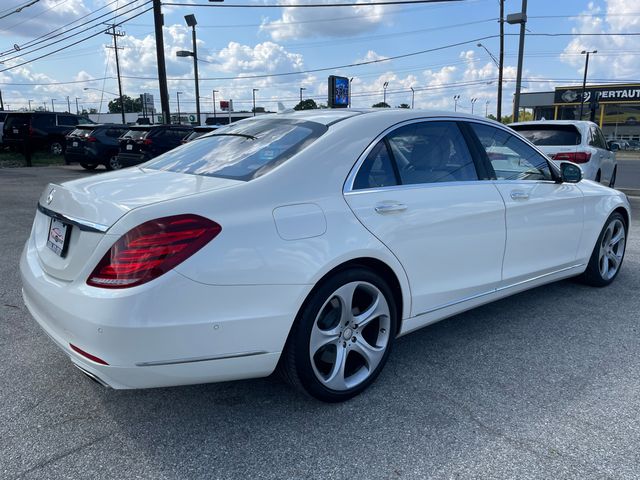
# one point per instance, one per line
(50, 196)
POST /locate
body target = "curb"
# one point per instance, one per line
(630, 192)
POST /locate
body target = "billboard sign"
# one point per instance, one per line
(338, 92)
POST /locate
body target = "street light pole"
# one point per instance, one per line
(29, 105)
(486, 108)
(413, 96)
(301, 89)
(213, 93)
(53, 109)
(520, 18)
(253, 91)
(584, 80)
(178, 97)
(384, 89)
(191, 22)
(473, 102)
(68, 105)
(501, 62)
(77, 109)
(455, 102)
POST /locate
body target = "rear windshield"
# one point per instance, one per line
(550, 135)
(80, 132)
(242, 151)
(135, 134)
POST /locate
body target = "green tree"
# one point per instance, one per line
(381, 105)
(307, 104)
(130, 104)
(403, 105)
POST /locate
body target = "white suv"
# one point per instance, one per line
(574, 141)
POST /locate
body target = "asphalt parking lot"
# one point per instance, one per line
(545, 384)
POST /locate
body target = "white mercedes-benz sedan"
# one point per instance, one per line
(306, 242)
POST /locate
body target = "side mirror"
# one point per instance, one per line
(570, 172)
(612, 146)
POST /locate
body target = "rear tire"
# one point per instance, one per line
(608, 253)
(113, 163)
(89, 166)
(342, 336)
(56, 148)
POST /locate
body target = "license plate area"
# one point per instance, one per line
(74, 144)
(129, 147)
(58, 237)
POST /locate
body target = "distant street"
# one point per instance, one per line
(628, 174)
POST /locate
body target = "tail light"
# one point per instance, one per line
(575, 157)
(151, 249)
(92, 139)
(147, 141)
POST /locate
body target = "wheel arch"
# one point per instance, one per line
(625, 214)
(375, 265)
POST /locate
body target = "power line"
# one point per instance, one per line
(306, 5)
(111, 20)
(72, 44)
(20, 8)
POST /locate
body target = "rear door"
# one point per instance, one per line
(419, 192)
(544, 219)
(606, 156)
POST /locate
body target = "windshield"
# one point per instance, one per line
(550, 135)
(242, 151)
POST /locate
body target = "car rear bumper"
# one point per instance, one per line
(172, 331)
(130, 159)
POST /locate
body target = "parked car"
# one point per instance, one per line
(42, 129)
(144, 142)
(198, 132)
(634, 144)
(579, 142)
(307, 240)
(93, 145)
(3, 115)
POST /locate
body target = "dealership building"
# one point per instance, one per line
(616, 108)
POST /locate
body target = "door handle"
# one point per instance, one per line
(383, 208)
(518, 195)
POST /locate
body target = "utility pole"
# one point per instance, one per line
(1, 102)
(512, 19)
(53, 109)
(501, 63)
(77, 109)
(254, 90)
(158, 21)
(301, 89)
(486, 108)
(29, 104)
(178, 97)
(584, 80)
(45, 106)
(213, 93)
(384, 92)
(68, 105)
(413, 96)
(115, 36)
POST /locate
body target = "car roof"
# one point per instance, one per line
(331, 116)
(575, 123)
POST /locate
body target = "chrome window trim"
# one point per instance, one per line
(348, 184)
(83, 225)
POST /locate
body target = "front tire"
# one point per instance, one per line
(342, 336)
(608, 253)
(56, 148)
(113, 163)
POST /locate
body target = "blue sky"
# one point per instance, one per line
(237, 43)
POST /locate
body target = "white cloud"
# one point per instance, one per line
(622, 61)
(297, 22)
(44, 16)
(371, 56)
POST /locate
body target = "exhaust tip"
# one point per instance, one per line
(92, 376)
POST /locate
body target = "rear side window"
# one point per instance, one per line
(550, 135)
(43, 121)
(16, 121)
(242, 151)
(67, 120)
(377, 170)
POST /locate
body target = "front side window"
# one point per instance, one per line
(67, 120)
(510, 157)
(241, 151)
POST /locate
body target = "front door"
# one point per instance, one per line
(544, 219)
(419, 193)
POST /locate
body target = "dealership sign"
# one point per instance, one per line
(614, 94)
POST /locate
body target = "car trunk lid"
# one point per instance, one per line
(89, 207)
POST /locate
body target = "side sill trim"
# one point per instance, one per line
(84, 225)
(499, 289)
(199, 359)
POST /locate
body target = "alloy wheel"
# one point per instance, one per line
(611, 249)
(114, 163)
(350, 336)
(56, 148)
